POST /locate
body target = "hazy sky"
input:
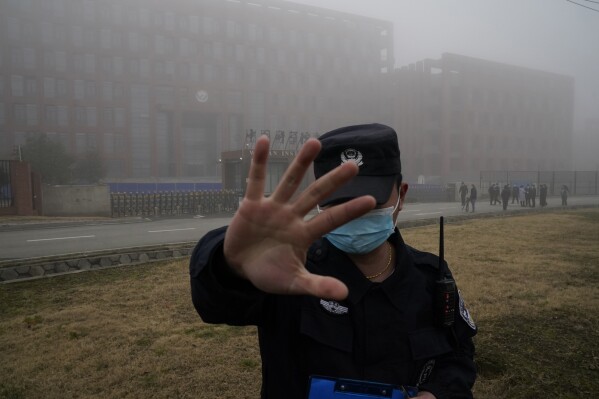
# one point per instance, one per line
(551, 35)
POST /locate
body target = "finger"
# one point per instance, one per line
(323, 187)
(338, 215)
(320, 286)
(295, 172)
(257, 173)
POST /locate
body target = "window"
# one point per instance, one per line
(159, 44)
(107, 91)
(169, 21)
(230, 29)
(79, 89)
(91, 116)
(90, 90)
(194, 24)
(49, 87)
(17, 84)
(134, 67)
(16, 58)
(108, 143)
(61, 88)
(144, 68)
(51, 115)
(144, 18)
(77, 36)
(61, 61)
(90, 63)
(30, 87)
(14, 28)
(62, 115)
(119, 117)
(117, 65)
(133, 41)
(80, 116)
(118, 90)
(31, 114)
(81, 142)
(169, 69)
(29, 58)
(105, 39)
(19, 113)
(108, 117)
(260, 55)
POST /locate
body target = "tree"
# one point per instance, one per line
(49, 158)
(89, 168)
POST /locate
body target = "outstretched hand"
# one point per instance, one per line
(268, 238)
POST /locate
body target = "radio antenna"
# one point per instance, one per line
(441, 249)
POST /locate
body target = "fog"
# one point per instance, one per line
(550, 35)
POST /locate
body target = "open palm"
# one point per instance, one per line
(269, 237)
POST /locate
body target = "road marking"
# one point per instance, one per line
(60, 238)
(428, 213)
(451, 207)
(166, 231)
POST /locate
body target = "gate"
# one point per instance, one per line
(6, 190)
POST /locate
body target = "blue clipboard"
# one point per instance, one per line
(340, 388)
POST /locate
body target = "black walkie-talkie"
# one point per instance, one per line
(445, 288)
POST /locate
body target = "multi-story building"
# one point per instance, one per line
(458, 115)
(161, 89)
(585, 151)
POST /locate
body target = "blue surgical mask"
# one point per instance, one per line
(364, 234)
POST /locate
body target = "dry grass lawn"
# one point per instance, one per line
(530, 281)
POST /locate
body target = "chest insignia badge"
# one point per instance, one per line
(333, 307)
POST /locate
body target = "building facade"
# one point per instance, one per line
(162, 89)
(459, 115)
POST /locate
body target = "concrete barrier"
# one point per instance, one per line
(92, 200)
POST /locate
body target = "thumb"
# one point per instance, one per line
(321, 287)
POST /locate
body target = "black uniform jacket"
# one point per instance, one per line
(382, 332)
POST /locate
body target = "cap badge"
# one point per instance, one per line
(351, 155)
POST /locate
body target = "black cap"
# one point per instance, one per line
(373, 148)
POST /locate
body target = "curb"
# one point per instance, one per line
(50, 266)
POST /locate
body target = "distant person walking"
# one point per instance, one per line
(515, 193)
(543, 195)
(564, 192)
(473, 195)
(463, 193)
(505, 196)
(522, 195)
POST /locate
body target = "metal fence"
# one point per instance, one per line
(173, 203)
(578, 182)
(6, 193)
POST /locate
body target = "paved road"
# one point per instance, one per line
(19, 243)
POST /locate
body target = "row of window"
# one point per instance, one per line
(350, 39)
(59, 115)
(89, 63)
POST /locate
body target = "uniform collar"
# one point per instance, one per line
(343, 269)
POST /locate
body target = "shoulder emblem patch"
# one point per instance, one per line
(333, 307)
(465, 313)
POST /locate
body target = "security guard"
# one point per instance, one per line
(340, 294)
